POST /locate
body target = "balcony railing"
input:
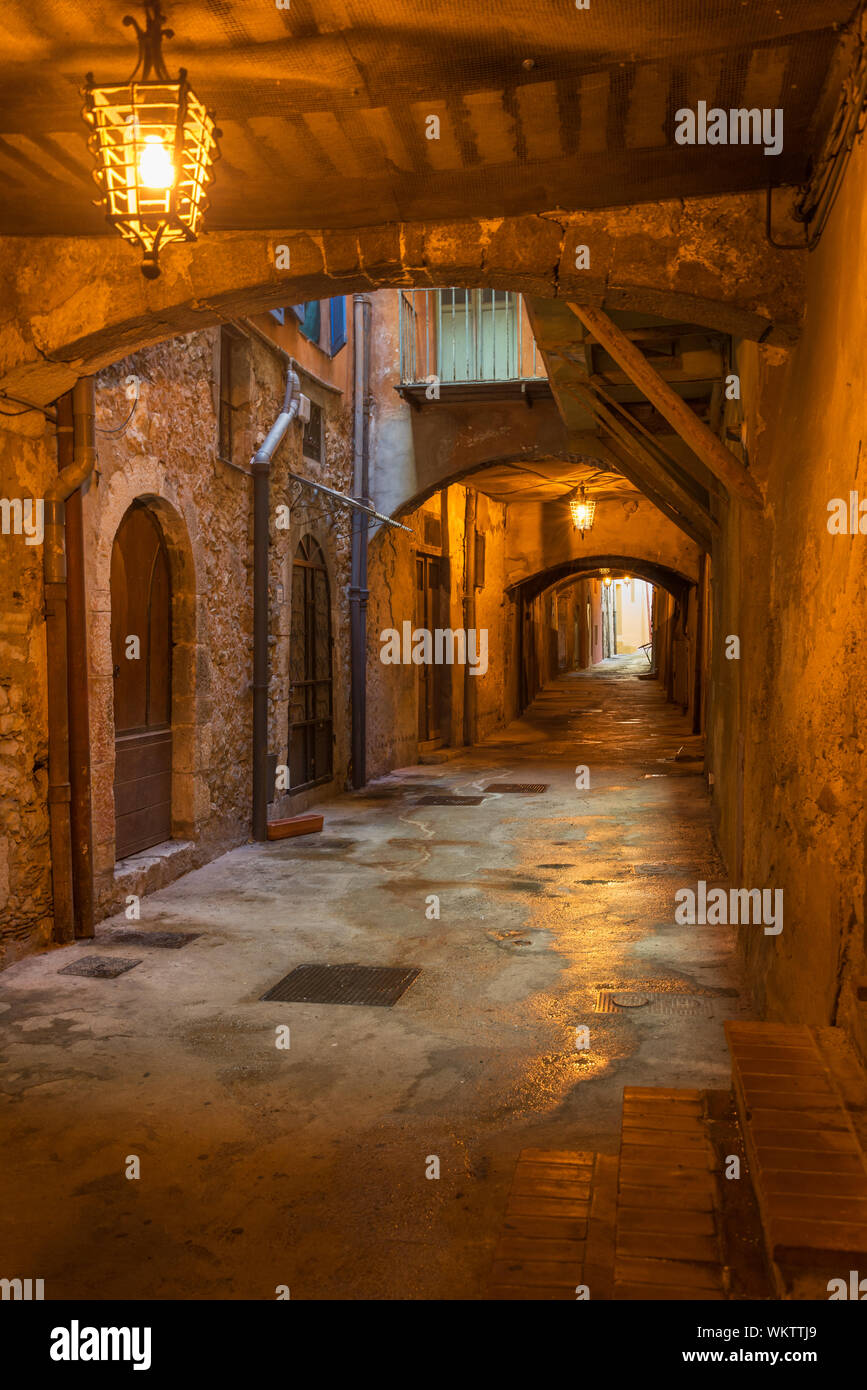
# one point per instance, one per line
(466, 336)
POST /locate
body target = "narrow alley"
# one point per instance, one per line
(307, 1166)
(433, 673)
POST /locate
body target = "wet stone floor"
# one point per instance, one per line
(265, 1166)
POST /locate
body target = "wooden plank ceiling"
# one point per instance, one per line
(324, 104)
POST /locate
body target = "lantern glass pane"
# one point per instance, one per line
(137, 131)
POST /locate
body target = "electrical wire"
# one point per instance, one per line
(28, 407)
(121, 429)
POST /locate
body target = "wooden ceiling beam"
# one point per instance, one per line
(721, 462)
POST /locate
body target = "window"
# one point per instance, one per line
(278, 314)
(477, 335)
(480, 560)
(310, 693)
(338, 324)
(312, 447)
(234, 392)
(310, 319)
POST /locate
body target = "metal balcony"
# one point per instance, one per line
(467, 344)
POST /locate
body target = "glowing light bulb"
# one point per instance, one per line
(155, 166)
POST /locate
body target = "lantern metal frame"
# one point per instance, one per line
(583, 510)
(124, 118)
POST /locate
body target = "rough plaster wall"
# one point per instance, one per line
(801, 616)
(493, 613)
(392, 702)
(28, 458)
(392, 737)
(541, 535)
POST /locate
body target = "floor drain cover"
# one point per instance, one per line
(450, 801)
(376, 985)
(168, 940)
(518, 788)
(667, 1002)
(100, 967)
(630, 1001)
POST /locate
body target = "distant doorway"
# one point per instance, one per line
(141, 647)
(428, 570)
(311, 718)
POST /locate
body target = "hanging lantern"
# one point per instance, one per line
(154, 145)
(583, 510)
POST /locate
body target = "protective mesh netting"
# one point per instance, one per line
(325, 106)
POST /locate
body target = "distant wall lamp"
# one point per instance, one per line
(155, 146)
(583, 510)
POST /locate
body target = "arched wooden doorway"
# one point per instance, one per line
(310, 690)
(141, 608)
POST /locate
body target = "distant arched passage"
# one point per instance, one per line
(591, 567)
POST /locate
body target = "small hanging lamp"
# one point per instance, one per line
(155, 145)
(583, 510)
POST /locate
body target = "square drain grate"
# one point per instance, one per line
(100, 967)
(448, 800)
(645, 1001)
(374, 985)
(168, 940)
(518, 788)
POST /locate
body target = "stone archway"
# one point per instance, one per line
(104, 512)
(78, 304)
(592, 566)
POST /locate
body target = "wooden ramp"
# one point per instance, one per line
(806, 1158)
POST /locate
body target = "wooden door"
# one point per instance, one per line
(311, 720)
(427, 608)
(141, 607)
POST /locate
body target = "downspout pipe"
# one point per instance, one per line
(358, 591)
(469, 613)
(260, 467)
(77, 682)
(75, 467)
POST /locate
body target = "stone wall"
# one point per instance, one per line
(788, 743)
(164, 452)
(28, 459)
(170, 453)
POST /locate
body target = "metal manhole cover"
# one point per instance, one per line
(630, 1001)
(374, 985)
(100, 967)
(168, 940)
(518, 788)
(670, 1003)
(446, 800)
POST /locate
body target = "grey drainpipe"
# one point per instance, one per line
(76, 465)
(260, 467)
(358, 591)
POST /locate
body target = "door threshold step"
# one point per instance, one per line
(294, 825)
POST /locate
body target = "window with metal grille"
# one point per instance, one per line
(310, 674)
(313, 434)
